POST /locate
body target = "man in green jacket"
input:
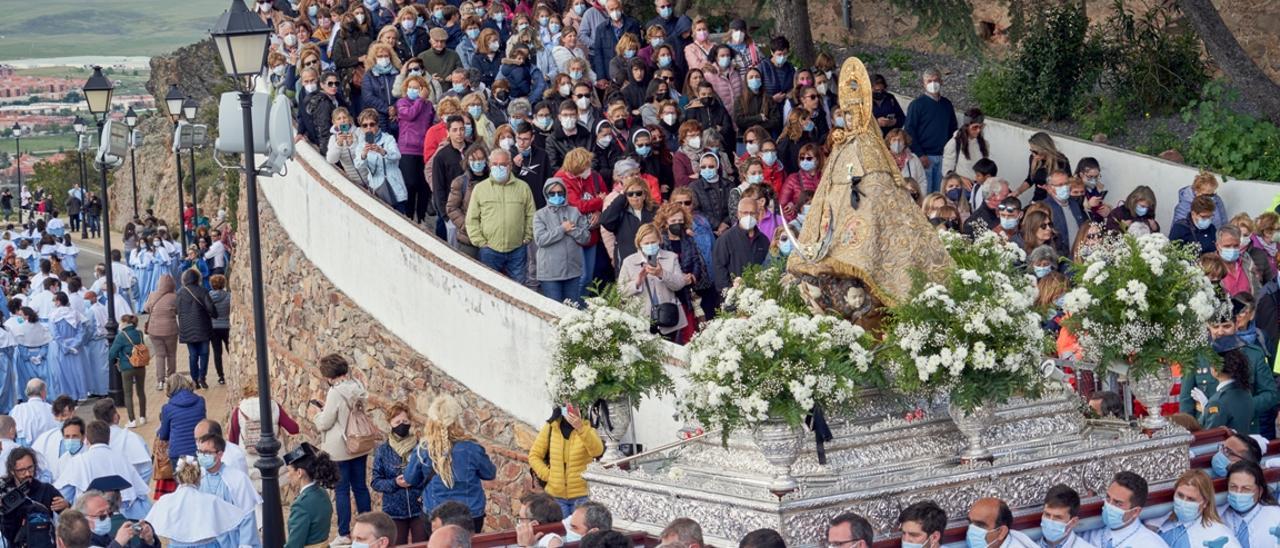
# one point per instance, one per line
(1199, 385)
(500, 218)
(439, 61)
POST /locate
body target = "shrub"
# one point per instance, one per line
(1057, 63)
(1234, 144)
(1151, 63)
(995, 91)
(1103, 114)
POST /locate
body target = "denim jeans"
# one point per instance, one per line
(562, 290)
(512, 263)
(567, 506)
(198, 360)
(588, 268)
(934, 172)
(351, 481)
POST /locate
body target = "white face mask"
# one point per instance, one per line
(736, 36)
(669, 119)
(582, 103)
(895, 147)
(933, 87)
(360, 18)
(822, 88)
(695, 142)
(506, 142)
(290, 40)
(566, 89)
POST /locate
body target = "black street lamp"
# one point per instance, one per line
(241, 38)
(97, 92)
(190, 107)
(173, 104)
(17, 162)
(131, 120)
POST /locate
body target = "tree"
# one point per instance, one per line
(1254, 84)
(792, 20)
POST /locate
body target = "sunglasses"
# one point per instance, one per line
(368, 125)
(582, 96)
(550, 194)
(1007, 209)
(1046, 225)
(331, 84)
(635, 194)
(311, 63)
(808, 158)
(684, 202)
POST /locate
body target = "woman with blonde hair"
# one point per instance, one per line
(652, 276)
(798, 132)
(932, 203)
(1205, 184)
(1044, 160)
(624, 52)
(447, 463)
(376, 91)
(473, 104)
(188, 518)
(1263, 238)
(909, 164)
(1194, 520)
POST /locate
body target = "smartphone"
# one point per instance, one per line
(653, 261)
(570, 409)
(370, 138)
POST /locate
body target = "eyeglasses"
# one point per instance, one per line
(331, 84)
(311, 63)
(25, 469)
(635, 194)
(684, 202)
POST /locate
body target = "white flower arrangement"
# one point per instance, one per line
(1141, 300)
(975, 336)
(605, 352)
(764, 360)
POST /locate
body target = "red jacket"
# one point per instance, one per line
(587, 195)
(774, 175)
(796, 183)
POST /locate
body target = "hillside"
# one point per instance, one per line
(60, 28)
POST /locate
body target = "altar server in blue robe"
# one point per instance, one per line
(96, 347)
(189, 518)
(69, 363)
(33, 338)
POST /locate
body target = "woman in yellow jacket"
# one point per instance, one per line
(564, 448)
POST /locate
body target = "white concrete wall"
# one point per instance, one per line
(478, 326)
(1122, 170)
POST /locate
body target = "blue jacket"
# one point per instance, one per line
(526, 80)
(178, 420)
(777, 79)
(375, 93)
(488, 68)
(930, 123)
(1060, 222)
(1184, 231)
(605, 40)
(398, 502)
(471, 465)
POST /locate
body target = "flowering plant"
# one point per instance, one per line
(764, 360)
(975, 336)
(1141, 300)
(605, 352)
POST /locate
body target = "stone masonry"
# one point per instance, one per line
(307, 318)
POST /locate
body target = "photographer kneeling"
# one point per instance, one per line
(108, 525)
(27, 505)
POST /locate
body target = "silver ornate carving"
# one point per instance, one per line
(779, 443)
(616, 427)
(973, 424)
(1152, 390)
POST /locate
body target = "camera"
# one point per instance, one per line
(11, 497)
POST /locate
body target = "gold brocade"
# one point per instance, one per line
(887, 236)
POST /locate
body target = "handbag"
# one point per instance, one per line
(662, 315)
(163, 466)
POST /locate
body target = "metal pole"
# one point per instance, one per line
(133, 174)
(84, 189)
(117, 395)
(195, 199)
(17, 150)
(268, 463)
(177, 156)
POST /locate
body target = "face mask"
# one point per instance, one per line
(643, 150)
(1053, 531)
(311, 11)
(565, 90)
(700, 36)
(459, 88)
(1058, 302)
(655, 42)
(954, 194)
(840, 123)
(437, 15)
(605, 141)
(500, 173)
(71, 446)
(695, 142)
(102, 526)
(264, 7)
(709, 173)
(806, 83)
(570, 536)
(724, 62)
(1008, 223)
(359, 18)
(669, 119)
(1141, 211)
(480, 12)
(933, 87)
(311, 88)
(676, 229)
(895, 147)
(506, 142)
(1042, 271)
(579, 9)
(278, 70)
(568, 123)
(1112, 516)
(822, 88)
(1062, 193)
(408, 25)
(477, 166)
(473, 34)
(649, 250)
(582, 103)
(754, 84)
(401, 430)
(493, 46)
(755, 178)
(747, 222)
(384, 62)
(664, 61)
(1229, 254)
(976, 537)
(627, 54)
(779, 60)
(359, 545)
(474, 111)
(542, 122)
(521, 27)
(413, 94)
(665, 12)
(808, 165)
(615, 15)
(906, 544)
(542, 21)
(1203, 224)
(785, 247)
(808, 126)
(1219, 464)
(206, 461)
(736, 36)
(554, 28)
(1241, 502)
(1185, 510)
(556, 200)
(768, 157)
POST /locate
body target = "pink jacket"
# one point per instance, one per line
(727, 83)
(796, 183)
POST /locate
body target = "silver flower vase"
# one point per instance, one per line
(779, 442)
(614, 426)
(973, 425)
(1152, 390)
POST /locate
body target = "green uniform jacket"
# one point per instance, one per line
(500, 215)
(309, 518)
(1231, 407)
(1265, 393)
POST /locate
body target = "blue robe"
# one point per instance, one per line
(8, 380)
(69, 261)
(31, 362)
(68, 362)
(95, 350)
(248, 528)
(146, 282)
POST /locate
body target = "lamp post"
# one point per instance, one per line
(81, 146)
(241, 38)
(189, 110)
(131, 120)
(17, 162)
(173, 104)
(97, 92)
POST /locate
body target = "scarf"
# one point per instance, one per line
(402, 446)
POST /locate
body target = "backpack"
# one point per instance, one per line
(251, 429)
(141, 355)
(360, 435)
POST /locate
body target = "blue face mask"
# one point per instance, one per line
(474, 111)
(206, 461)
(1229, 254)
(1112, 516)
(311, 11)
(708, 173)
(643, 150)
(1053, 531)
(754, 84)
(1203, 224)
(1141, 211)
(500, 173)
(785, 247)
(1042, 271)
(1219, 464)
(1008, 223)
(665, 12)
(1241, 502)
(579, 9)
(649, 250)
(1062, 193)
(554, 28)
(71, 446)
(755, 178)
(808, 165)
(557, 200)
(471, 130)
(413, 94)
(479, 12)
(575, 75)
(976, 537)
(954, 194)
(473, 34)
(477, 166)
(664, 62)
(1185, 510)
(808, 126)
(1060, 301)
(768, 157)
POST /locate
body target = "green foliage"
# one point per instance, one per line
(996, 91)
(899, 59)
(769, 281)
(1152, 64)
(1056, 65)
(58, 177)
(1237, 145)
(1105, 115)
(1159, 140)
(952, 20)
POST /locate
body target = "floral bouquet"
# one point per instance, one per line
(766, 361)
(605, 352)
(975, 336)
(1141, 300)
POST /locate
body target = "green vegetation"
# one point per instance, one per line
(41, 145)
(58, 28)
(1234, 144)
